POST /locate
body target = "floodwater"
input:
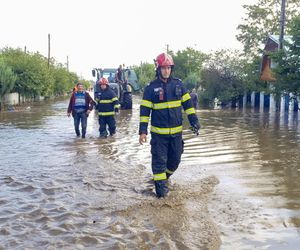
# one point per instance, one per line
(236, 188)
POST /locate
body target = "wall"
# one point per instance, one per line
(11, 99)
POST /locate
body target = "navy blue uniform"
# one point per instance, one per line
(164, 102)
(107, 104)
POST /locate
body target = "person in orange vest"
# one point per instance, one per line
(75, 88)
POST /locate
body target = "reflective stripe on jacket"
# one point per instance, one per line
(164, 103)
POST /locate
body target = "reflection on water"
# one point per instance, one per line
(256, 156)
(96, 192)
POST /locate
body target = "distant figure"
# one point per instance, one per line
(119, 74)
(10, 108)
(75, 89)
(110, 78)
(194, 97)
(217, 103)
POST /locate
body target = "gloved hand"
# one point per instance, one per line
(195, 127)
(116, 110)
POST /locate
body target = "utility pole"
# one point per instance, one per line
(68, 63)
(167, 48)
(48, 50)
(282, 23)
(25, 49)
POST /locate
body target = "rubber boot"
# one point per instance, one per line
(77, 131)
(161, 188)
(103, 134)
(168, 175)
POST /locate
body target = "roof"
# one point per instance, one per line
(272, 42)
(109, 70)
(275, 38)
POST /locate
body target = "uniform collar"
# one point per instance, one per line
(103, 90)
(168, 80)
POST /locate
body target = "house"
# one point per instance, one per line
(268, 64)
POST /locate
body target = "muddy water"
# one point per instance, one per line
(237, 187)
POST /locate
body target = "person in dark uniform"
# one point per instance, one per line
(107, 106)
(110, 78)
(163, 100)
(119, 75)
(194, 97)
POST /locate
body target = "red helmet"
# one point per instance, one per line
(164, 60)
(103, 81)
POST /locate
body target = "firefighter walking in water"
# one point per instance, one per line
(163, 100)
(107, 106)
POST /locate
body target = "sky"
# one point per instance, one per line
(106, 33)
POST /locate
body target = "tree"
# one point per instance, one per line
(288, 60)
(224, 76)
(64, 81)
(35, 77)
(251, 75)
(263, 19)
(7, 80)
(188, 66)
(188, 61)
(192, 81)
(145, 73)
